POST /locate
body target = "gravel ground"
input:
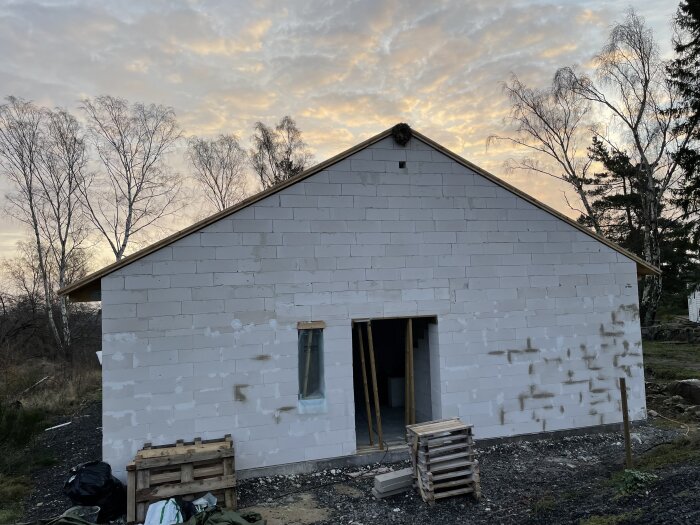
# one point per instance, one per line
(543, 481)
(516, 478)
(71, 445)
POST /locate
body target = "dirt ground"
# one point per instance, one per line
(565, 480)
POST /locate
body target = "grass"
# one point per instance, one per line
(543, 505)
(23, 415)
(613, 519)
(669, 361)
(683, 450)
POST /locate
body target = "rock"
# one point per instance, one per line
(687, 389)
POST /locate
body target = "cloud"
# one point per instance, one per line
(344, 70)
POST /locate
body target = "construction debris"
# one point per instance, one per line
(392, 483)
(443, 459)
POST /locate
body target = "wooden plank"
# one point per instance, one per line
(446, 440)
(626, 423)
(187, 448)
(229, 495)
(460, 442)
(143, 482)
(158, 478)
(192, 487)
(130, 495)
(447, 485)
(431, 460)
(374, 385)
(439, 467)
(368, 407)
(438, 426)
(463, 448)
(310, 325)
(450, 493)
(308, 362)
(188, 457)
(407, 376)
(187, 473)
(453, 474)
(412, 382)
(432, 422)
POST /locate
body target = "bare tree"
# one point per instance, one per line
(219, 169)
(61, 218)
(43, 155)
(23, 277)
(135, 188)
(632, 89)
(278, 154)
(22, 139)
(551, 123)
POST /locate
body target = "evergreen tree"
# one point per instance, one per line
(684, 73)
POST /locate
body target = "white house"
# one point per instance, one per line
(250, 322)
(694, 306)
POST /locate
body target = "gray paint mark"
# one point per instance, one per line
(238, 394)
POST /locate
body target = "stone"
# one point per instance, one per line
(687, 389)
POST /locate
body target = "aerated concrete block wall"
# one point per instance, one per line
(536, 320)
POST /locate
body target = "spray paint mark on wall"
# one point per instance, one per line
(238, 394)
(280, 411)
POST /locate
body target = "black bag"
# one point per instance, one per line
(91, 484)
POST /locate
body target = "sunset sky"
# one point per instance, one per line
(344, 70)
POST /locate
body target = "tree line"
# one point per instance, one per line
(105, 179)
(624, 137)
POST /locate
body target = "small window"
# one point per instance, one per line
(311, 363)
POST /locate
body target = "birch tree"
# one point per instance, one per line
(219, 169)
(135, 188)
(631, 89)
(21, 140)
(553, 125)
(42, 153)
(61, 219)
(278, 153)
(633, 107)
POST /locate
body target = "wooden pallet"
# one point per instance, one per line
(443, 459)
(188, 470)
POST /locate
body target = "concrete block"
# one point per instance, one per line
(170, 322)
(158, 309)
(297, 225)
(144, 282)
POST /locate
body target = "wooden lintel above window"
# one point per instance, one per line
(310, 325)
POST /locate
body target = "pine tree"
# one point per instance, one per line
(684, 73)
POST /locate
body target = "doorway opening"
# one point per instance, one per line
(392, 361)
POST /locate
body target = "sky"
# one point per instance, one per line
(344, 70)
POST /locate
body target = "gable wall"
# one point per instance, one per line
(536, 320)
